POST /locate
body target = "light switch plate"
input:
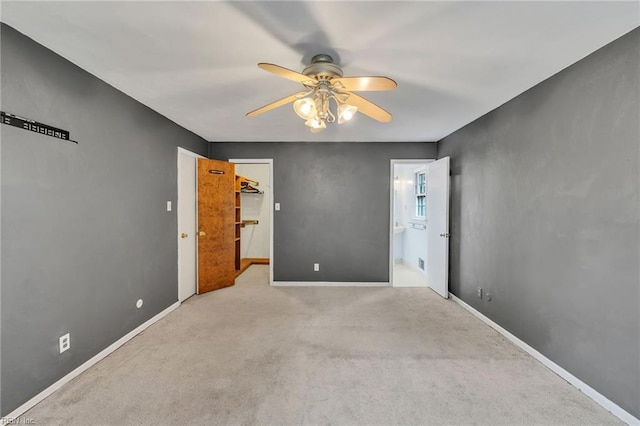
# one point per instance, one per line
(277, 206)
(168, 206)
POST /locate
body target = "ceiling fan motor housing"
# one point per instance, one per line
(323, 68)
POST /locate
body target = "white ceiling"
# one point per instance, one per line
(195, 62)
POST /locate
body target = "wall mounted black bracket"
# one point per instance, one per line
(34, 126)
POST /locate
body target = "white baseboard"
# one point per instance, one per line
(328, 284)
(88, 364)
(606, 403)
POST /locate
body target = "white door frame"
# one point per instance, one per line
(393, 162)
(268, 161)
(195, 156)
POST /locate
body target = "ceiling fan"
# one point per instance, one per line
(323, 82)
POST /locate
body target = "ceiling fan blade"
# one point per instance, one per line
(368, 108)
(275, 104)
(286, 73)
(366, 84)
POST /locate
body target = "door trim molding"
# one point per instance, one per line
(195, 188)
(88, 364)
(185, 151)
(268, 161)
(596, 396)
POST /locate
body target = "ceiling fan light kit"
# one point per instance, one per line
(324, 82)
(346, 112)
(305, 108)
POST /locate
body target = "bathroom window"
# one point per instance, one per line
(421, 193)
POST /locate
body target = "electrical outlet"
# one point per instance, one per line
(65, 342)
(316, 267)
(487, 297)
(479, 292)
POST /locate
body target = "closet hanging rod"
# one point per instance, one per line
(245, 180)
(250, 190)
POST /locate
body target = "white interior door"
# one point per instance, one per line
(186, 225)
(438, 226)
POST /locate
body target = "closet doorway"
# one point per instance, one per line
(256, 235)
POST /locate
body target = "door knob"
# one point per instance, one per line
(183, 235)
(202, 233)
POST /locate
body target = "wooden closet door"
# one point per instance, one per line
(216, 225)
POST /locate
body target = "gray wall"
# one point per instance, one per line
(545, 216)
(334, 201)
(85, 231)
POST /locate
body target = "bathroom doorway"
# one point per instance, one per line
(408, 241)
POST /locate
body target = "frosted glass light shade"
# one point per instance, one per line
(346, 112)
(316, 123)
(305, 108)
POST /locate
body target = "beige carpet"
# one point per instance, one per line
(254, 354)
